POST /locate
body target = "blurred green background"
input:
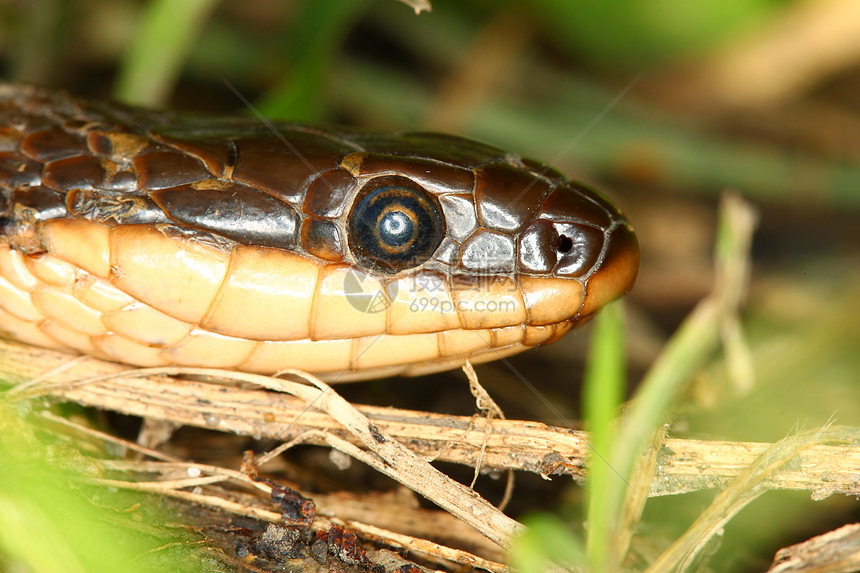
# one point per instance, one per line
(661, 104)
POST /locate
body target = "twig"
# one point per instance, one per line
(682, 465)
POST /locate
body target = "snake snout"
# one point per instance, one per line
(577, 256)
(616, 272)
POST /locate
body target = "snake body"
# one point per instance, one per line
(155, 238)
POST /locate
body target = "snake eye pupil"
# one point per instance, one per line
(565, 244)
(395, 228)
(394, 225)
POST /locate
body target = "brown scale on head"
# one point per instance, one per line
(154, 239)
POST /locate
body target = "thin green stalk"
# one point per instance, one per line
(546, 545)
(605, 383)
(152, 63)
(318, 33)
(683, 356)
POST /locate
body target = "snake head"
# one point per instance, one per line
(154, 239)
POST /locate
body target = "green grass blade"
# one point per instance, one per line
(152, 63)
(318, 33)
(685, 354)
(53, 521)
(545, 545)
(603, 393)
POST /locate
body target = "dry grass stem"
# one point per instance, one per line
(682, 465)
(751, 483)
(381, 451)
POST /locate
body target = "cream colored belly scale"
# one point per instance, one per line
(141, 295)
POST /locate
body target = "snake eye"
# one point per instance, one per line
(394, 225)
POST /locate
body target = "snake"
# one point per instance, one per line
(161, 238)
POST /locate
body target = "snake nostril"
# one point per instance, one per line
(565, 244)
